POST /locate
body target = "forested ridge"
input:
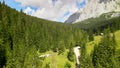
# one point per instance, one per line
(22, 36)
(100, 23)
(106, 53)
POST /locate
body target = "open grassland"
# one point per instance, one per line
(117, 38)
(57, 61)
(97, 39)
(90, 45)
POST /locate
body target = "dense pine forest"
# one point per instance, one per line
(22, 36)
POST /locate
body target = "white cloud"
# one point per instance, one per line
(47, 10)
(28, 10)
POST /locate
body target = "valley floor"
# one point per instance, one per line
(59, 61)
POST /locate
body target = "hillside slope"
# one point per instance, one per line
(22, 36)
(23, 39)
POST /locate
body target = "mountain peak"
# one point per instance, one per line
(94, 8)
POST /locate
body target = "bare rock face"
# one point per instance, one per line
(73, 18)
(94, 8)
(104, 1)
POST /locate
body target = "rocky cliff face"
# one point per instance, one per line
(94, 8)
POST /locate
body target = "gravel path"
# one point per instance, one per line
(77, 53)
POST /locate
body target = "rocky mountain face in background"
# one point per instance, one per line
(94, 8)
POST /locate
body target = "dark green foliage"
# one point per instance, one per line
(104, 53)
(70, 55)
(118, 57)
(21, 36)
(47, 66)
(2, 56)
(85, 60)
(61, 47)
(67, 65)
(91, 37)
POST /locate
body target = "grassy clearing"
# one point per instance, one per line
(90, 45)
(117, 38)
(57, 61)
(97, 39)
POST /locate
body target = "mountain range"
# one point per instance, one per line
(95, 8)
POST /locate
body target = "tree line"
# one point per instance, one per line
(21, 36)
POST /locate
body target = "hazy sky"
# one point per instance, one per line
(56, 10)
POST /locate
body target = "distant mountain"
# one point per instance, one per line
(94, 8)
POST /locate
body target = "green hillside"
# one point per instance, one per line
(24, 39)
(22, 36)
(97, 39)
(98, 24)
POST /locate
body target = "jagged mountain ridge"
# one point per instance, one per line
(94, 8)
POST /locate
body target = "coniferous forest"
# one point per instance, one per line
(22, 36)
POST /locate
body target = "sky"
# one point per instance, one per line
(55, 10)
